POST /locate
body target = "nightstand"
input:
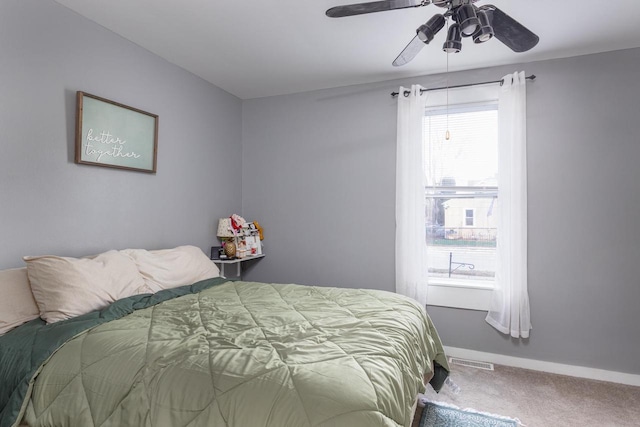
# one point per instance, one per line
(237, 261)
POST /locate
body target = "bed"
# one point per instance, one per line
(222, 353)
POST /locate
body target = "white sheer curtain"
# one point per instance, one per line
(411, 246)
(509, 312)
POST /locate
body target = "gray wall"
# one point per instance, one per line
(319, 170)
(48, 204)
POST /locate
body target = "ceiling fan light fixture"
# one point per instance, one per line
(454, 40)
(485, 31)
(427, 31)
(467, 19)
(481, 23)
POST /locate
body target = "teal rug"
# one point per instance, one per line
(437, 414)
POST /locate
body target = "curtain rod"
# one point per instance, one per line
(501, 81)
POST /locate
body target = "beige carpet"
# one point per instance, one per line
(540, 399)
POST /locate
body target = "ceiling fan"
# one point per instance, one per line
(480, 23)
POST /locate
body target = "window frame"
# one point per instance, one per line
(445, 292)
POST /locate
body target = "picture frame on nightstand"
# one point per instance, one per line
(215, 252)
(254, 245)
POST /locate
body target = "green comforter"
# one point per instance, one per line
(238, 354)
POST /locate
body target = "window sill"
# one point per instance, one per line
(466, 294)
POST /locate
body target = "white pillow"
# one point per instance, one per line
(67, 287)
(17, 305)
(170, 268)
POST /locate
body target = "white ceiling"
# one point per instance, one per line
(257, 48)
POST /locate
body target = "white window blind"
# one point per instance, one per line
(462, 177)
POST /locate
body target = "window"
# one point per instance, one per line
(462, 176)
(439, 178)
(468, 217)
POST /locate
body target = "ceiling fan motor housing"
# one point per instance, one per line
(452, 4)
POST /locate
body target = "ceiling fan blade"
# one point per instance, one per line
(513, 34)
(376, 6)
(409, 52)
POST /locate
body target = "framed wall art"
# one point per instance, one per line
(114, 135)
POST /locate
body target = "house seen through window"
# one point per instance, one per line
(462, 176)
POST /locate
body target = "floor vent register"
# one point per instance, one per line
(471, 363)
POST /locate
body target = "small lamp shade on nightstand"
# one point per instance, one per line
(225, 232)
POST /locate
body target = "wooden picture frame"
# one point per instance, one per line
(114, 135)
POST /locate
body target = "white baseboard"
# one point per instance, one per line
(539, 365)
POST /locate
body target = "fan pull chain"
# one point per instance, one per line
(447, 135)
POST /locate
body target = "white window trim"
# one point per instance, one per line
(467, 294)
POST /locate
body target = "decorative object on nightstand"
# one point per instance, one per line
(260, 229)
(248, 243)
(237, 223)
(252, 239)
(245, 239)
(227, 235)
